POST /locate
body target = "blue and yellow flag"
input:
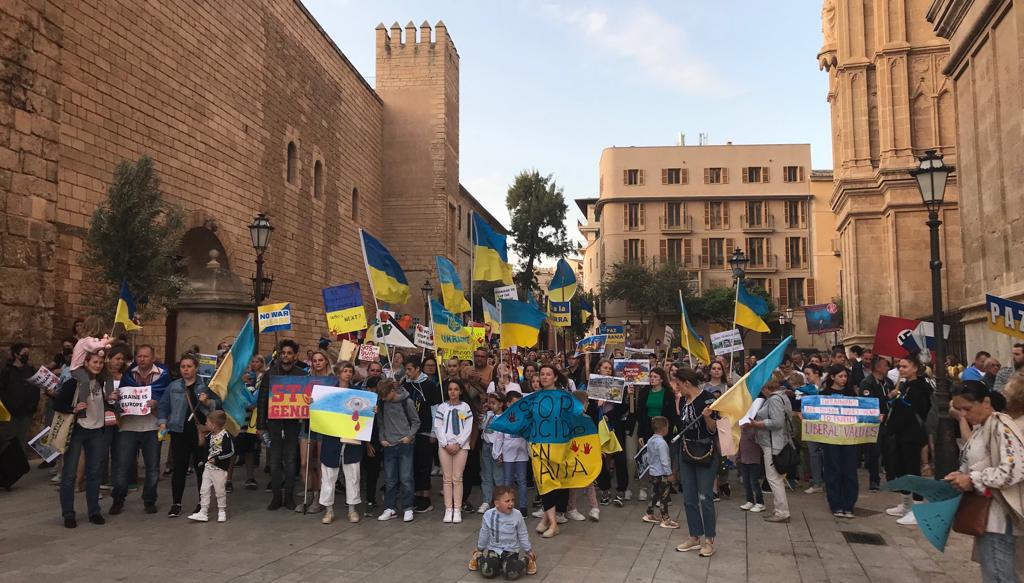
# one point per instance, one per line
(563, 283)
(449, 332)
(520, 324)
(749, 309)
(586, 310)
(565, 448)
(490, 253)
(451, 286)
(492, 316)
(735, 402)
(692, 341)
(125, 313)
(387, 280)
(227, 382)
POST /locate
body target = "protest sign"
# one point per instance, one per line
(632, 352)
(207, 365)
(559, 314)
(135, 400)
(1005, 316)
(275, 317)
(605, 388)
(344, 413)
(287, 395)
(839, 420)
(478, 336)
(642, 464)
(39, 445)
(369, 353)
(424, 337)
(633, 372)
(343, 305)
(506, 292)
(726, 342)
(670, 336)
(385, 330)
(347, 350)
(44, 379)
(616, 334)
(592, 344)
(822, 318)
(459, 353)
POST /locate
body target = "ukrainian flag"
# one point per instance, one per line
(492, 316)
(227, 381)
(736, 401)
(520, 324)
(490, 254)
(125, 313)
(563, 284)
(586, 310)
(451, 287)
(387, 280)
(749, 309)
(692, 341)
(449, 333)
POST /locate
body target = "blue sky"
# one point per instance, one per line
(548, 84)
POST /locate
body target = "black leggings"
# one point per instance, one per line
(185, 450)
(557, 499)
(512, 564)
(370, 467)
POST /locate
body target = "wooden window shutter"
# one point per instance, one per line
(810, 292)
(788, 259)
(785, 211)
(640, 177)
(804, 259)
(664, 175)
(625, 177)
(707, 176)
(725, 176)
(643, 214)
(707, 215)
(746, 175)
(764, 174)
(643, 251)
(767, 251)
(663, 250)
(725, 215)
(684, 176)
(768, 286)
(730, 245)
(783, 293)
(625, 217)
(687, 249)
(801, 174)
(803, 213)
(704, 252)
(625, 250)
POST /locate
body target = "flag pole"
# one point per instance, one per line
(686, 329)
(472, 259)
(373, 292)
(735, 308)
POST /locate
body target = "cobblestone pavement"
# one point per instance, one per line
(257, 546)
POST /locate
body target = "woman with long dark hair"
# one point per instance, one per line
(905, 432)
(652, 401)
(555, 502)
(699, 461)
(840, 467)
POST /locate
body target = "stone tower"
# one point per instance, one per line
(418, 82)
(889, 103)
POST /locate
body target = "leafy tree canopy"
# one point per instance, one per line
(538, 208)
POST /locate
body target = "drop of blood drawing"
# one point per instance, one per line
(355, 417)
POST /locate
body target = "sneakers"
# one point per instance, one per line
(617, 500)
(222, 515)
(716, 496)
(106, 487)
(447, 516)
(422, 505)
(328, 516)
(353, 516)
(98, 519)
(848, 514)
(175, 511)
(457, 516)
(814, 490)
(642, 494)
(708, 548)
(538, 513)
(229, 487)
(371, 509)
(605, 500)
(408, 516)
(250, 484)
(898, 510)
(199, 517)
(388, 514)
(560, 519)
(692, 544)
(726, 489)
(627, 495)
(315, 507)
(874, 488)
(746, 506)
(776, 517)
(757, 508)
(575, 515)
(595, 514)
(668, 523)
(908, 519)
(839, 514)
(483, 508)
(468, 508)
(650, 519)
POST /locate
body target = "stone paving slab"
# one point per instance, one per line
(256, 546)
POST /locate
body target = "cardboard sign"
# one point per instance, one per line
(506, 292)
(1005, 316)
(275, 317)
(369, 353)
(39, 445)
(343, 305)
(633, 372)
(559, 314)
(385, 330)
(344, 413)
(347, 350)
(135, 400)
(592, 344)
(839, 420)
(44, 379)
(424, 337)
(726, 342)
(287, 395)
(616, 334)
(603, 388)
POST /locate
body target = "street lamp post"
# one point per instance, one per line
(738, 263)
(932, 175)
(260, 231)
(785, 319)
(428, 290)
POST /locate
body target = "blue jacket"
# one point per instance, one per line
(158, 386)
(172, 409)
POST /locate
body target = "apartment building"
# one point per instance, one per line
(694, 205)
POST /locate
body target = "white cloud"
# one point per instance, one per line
(654, 44)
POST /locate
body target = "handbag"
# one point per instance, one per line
(789, 457)
(61, 427)
(195, 419)
(698, 451)
(972, 514)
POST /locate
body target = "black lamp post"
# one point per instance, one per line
(932, 175)
(260, 231)
(428, 290)
(738, 262)
(785, 319)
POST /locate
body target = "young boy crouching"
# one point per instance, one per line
(504, 542)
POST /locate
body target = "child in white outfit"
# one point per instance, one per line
(215, 475)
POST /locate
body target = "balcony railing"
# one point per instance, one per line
(685, 225)
(759, 224)
(765, 265)
(718, 263)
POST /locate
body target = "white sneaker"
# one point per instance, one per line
(575, 515)
(628, 495)
(757, 508)
(561, 519)
(388, 514)
(641, 495)
(222, 516)
(483, 508)
(199, 517)
(908, 519)
(408, 516)
(456, 516)
(538, 513)
(746, 506)
(595, 514)
(447, 516)
(814, 490)
(898, 510)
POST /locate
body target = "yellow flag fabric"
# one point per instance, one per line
(749, 309)
(609, 441)
(5, 415)
(735, 402)
(692, 341)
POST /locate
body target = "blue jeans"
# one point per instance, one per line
(397, 461)
(815, 454)
(841, 476)
(92, 442)
(750, 475)
(515, 475)
(492, 473)
(698, 483)
(996, 556)
(128, 445)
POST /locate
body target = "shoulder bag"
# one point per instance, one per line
(200, 430)
(697, 451)
(972, 514)
(788, 458)
(62, 425)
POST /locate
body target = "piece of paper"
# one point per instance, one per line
(135, 400)
(45, 451)
(751, 412)
(344, 413)
(605, 388)
(44, 379)
(369, 353)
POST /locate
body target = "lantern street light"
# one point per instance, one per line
(738, 262)
(932, 175)
(260, 231)
(785, 319)
(428, 290)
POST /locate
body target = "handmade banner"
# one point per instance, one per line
(39, 445)
(343, 305)
(822, 318)
(1005, 316)
(478, 336)
(840, 420)
(347, 350)
(726, 342)
(565, 448)
(344, 413)
(670, 336)
(135, 400)
(616, 334)
(559, 314)
(592, 344)
(633, 372)
(288, 395)
(605, 388)
(275, 317)
(369, 353)
(457, 353)
(44, 379)
(424, 337)
(506, 292)
(385, 330)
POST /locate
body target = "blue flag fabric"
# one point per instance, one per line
(227, 381)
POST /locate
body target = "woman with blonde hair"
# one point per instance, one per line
(309, 442)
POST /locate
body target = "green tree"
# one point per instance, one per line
(579, 325)
(135, 235)
(538, 210)
(648, 290)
